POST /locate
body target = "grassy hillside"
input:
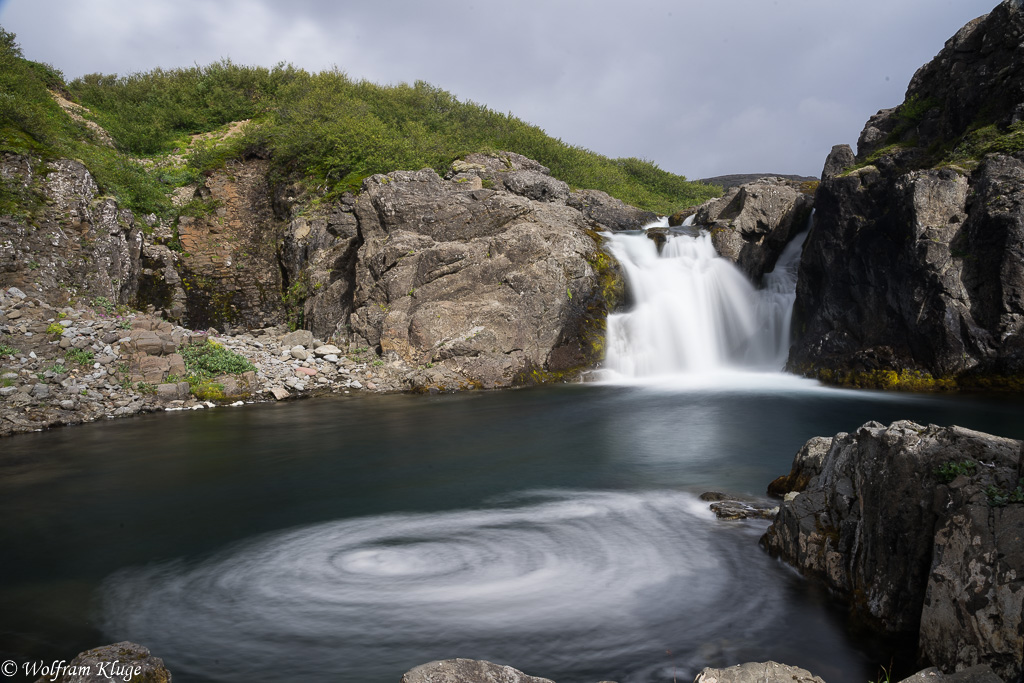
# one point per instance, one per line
(324, 129)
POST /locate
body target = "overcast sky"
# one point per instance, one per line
(700, 87)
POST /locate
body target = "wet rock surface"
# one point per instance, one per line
(752, 223)
(731, 508)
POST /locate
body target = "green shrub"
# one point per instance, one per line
(209, 359)
(323, 129)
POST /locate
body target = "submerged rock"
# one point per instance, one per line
(728, 507)
(921, 530)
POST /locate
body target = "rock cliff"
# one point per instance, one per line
(492, 277)
(913, 275)
(921, 530)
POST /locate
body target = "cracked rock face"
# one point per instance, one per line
(490, 283)
(914, 264)
(921, 270)
(913, 551)
(69, 240)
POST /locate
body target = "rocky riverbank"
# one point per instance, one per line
(63, 365)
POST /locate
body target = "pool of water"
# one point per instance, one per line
(556, 529)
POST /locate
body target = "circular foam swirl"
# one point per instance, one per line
(559, 577)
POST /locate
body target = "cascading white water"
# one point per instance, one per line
(695, 313)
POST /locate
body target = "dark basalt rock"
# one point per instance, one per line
(915, 266)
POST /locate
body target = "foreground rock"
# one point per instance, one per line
(757, 672)
(921, 530)
(913, 276)
(752, 223)
(468, 671)
(123, 661)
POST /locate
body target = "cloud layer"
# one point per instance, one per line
(702, 88)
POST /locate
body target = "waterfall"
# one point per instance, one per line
(695, 313)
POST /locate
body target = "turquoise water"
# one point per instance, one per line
(557, 530)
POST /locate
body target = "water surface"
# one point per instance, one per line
(555, 529)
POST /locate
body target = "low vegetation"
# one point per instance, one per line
(204, 362)
(209, 359)
(949, 471)
(323, 129)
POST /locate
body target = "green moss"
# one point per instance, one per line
(294, 300)
(914, 380)
(208, 391)
(982, 140)
(914, 109)
(1000, 496)
(887, 380)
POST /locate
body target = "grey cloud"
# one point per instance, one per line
(701, 88)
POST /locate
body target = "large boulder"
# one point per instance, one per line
(751, 224)
(920, 529)
(499, 288)
(913, 275)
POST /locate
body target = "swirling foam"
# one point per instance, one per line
(571, 576)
